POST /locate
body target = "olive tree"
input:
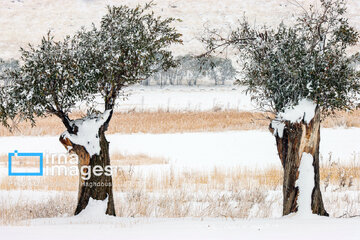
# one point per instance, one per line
(301, 73)
(129, 46)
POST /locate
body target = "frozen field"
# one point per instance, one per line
(214, 181)
(204, 150)
(187, 152)
(180, 98)
(285, 228)
(153, 208)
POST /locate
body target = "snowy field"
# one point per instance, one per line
(204, 150)
(185, 152)
(201, 192)
(94, 225)
(182, 98)
(256, 209)
(141, 229)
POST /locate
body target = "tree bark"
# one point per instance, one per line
(96, 187)
(298, 138)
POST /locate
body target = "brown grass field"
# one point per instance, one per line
(220, 178)
(171, 122)
(218, 192)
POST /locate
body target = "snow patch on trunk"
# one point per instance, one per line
(306, 185)
(278, 127)
(304, 110)
(88, 132)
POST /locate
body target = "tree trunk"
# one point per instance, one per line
(96, 187)
(299, 138)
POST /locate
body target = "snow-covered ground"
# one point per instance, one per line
(125, 228)
(205, 149)
(23, 21)
(182, 98)
(191, 151)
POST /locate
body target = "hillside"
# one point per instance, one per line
(25, 21)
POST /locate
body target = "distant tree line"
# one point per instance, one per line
(192, 71)
(9, 64)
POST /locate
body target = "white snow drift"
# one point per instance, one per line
(306, 185)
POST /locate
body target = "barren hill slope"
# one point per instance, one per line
(25, 21)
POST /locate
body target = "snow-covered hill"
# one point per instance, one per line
(24, 21)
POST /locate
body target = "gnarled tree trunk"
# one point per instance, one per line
(96, 187)
(299, 138)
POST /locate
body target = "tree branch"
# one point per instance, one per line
(64, 118)
(225, 43)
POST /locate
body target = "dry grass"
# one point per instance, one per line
(171, 122)
(62, 182)
(165, 192)
(230, 193)
(343, 119)
(128, 177)
(63, 204)
(254, 203)
(155, 122)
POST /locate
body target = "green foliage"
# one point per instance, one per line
(129, 46)
(49, 81)
(290, 63)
